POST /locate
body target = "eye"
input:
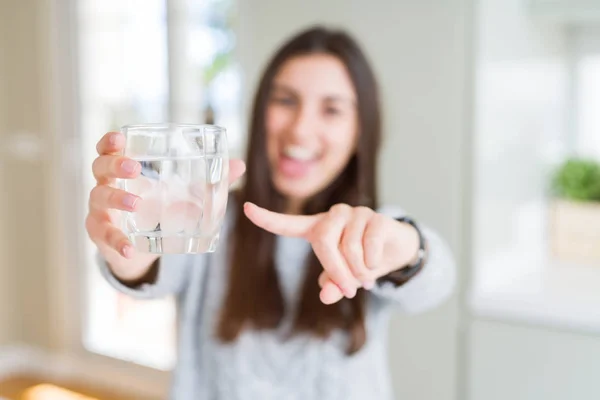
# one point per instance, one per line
(332, 111)
(284, 101)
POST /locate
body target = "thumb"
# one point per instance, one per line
(330, 292)
(237, 168)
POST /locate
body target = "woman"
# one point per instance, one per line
(295, 303)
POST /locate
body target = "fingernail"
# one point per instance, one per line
(369, 285)
(113, 139)
(129, 166)
(127, 251)
(129, 201)
(350, 292)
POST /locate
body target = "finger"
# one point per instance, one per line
(322, 279)
(280, 224)
(117, 240)
(103, 197)
(352, 243)
(108, 167)
(373, 241)
(236, 170)
(325, 240)
(103, 233)
(111, 143)
(369, 284)
(92, 226)
(330, 293)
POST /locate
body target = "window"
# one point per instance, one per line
(148, 61)
(587, 91)
(536, 103)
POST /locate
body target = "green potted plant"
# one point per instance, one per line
(575, 220)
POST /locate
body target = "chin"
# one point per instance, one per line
(296, 190)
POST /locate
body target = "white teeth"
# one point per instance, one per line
(299, 153)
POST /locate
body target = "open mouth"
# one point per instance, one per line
(297, 161)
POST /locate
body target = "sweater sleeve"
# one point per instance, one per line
(432, 285)
(173, 271)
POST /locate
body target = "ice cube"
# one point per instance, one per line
(181, 216)
(147, 215)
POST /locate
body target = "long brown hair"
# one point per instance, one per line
(254, 298)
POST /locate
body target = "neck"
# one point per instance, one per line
(294, 206)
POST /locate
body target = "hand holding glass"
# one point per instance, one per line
(183, 187)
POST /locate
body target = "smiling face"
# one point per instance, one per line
(311, 125)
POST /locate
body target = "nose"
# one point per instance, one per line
(305, 124)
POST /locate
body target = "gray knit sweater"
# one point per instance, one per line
(264, 366)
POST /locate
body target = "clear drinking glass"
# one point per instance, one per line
(183, 187)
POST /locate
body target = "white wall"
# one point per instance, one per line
(7, 321)
(420, 50)
(6, 294)
(5, 271)
(25, 267)
(3, 259)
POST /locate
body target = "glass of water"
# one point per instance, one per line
(183, 187)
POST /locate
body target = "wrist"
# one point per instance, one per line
(413, 244)
(134, 270)
(412, 253)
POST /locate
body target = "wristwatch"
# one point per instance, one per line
(403, 275)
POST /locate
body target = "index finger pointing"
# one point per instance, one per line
(111, 143)
(279, 224)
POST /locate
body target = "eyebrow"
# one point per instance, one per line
(284, 88)
(331, 98)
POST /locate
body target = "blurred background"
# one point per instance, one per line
(492, 123)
